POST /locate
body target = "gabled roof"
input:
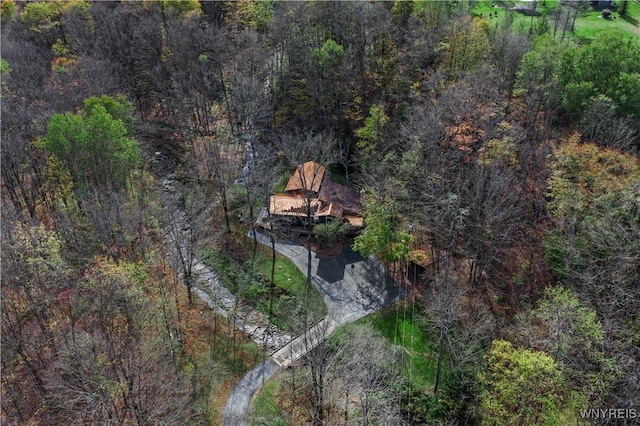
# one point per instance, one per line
(308, 176)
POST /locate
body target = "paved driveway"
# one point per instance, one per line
(237, 408)
(351, 286)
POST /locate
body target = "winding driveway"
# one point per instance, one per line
(351, 286)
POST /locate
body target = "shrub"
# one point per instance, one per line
(329, 233)
(5, 69)
(8, 9)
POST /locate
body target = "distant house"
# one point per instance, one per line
(310, 194)
(602, 3)
(528, 7)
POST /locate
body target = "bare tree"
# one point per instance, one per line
(365, 368)
(319, 362)
(508, 49)
(445, 302)
(249, 99)
(600, 124)
(432, 170)
(116, 326)
(344, 155)
(302, 148)
(183, 221)
(566, 15)
(113, 219)
(216, 162)
(33, 274)
(537, 75)
(22, 165)
(264, 173)
(493, 202)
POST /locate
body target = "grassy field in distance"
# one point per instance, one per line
(589, 23)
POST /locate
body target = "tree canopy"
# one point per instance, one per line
(492, 157)
(522, 387)
(94, 145)
(606, 66)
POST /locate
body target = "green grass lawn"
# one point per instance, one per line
(291, 298)
(496, 16)
(403, 325)
(287, 276)
(588, 23)
(265, 410)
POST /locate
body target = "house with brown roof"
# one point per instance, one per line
(310, 194)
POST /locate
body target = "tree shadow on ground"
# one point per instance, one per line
(331, 269)
(633, 21)
(379, 288)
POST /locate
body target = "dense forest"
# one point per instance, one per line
(496, 151)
